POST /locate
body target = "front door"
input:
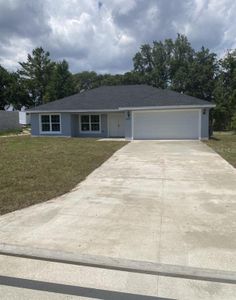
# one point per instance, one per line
(116, 126)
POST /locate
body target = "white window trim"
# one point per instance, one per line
(90, 131)
(40, 123)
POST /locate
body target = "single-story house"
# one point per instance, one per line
(130, 111)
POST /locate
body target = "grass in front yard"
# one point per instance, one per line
(224, 143)
(34, 170)
(10, 132)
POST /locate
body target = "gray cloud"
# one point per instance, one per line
(23, 18)
(104, 35)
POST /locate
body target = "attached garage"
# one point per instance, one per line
(167, 124)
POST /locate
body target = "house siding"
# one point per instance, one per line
(205, 123)
(34, 124)
(74, 125)
(70, 125)
(128, 125)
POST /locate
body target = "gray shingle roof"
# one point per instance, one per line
(115, 97)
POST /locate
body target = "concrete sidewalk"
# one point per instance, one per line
(168, 202)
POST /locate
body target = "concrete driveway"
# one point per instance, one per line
(168, 202)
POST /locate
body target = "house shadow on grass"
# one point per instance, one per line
(72, 290)
(214, 138)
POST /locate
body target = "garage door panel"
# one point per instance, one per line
(166, 124)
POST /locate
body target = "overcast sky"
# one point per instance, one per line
(104, 35)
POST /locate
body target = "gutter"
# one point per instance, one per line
(124, 109)
(167, 107)
(71, 110)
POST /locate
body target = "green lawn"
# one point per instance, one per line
(10, 132)
(34, 170)
(224, 143)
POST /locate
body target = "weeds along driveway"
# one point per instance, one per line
(168, 202)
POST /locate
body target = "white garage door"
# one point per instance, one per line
(168, 124)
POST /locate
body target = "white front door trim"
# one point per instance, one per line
(110, 119)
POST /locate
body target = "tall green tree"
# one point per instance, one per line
(160, 75)
(12, 90)
(108, 79)
(165, 64)
(201, 74)
(143, 60)
(132, 78)
(86, 80)
(36, 73)
(225, 92)
(17, 92)
(4, 83)
(181, 57)
(61, 83)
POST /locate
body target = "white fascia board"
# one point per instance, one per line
(167, 107)
(122, 109)
(71, 110)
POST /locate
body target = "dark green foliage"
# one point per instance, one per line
(12, 89)
(233, 123)
(165, 64)
(181, 58)
(37, 72)
(4, 85)
(201, 75)
(61, 83)
(86, 80)
(132, 78)
(45, 79)
(89, 80)
(173, 64)
(225, 92)
(18, 94)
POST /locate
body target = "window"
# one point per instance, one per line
(85, 123)
(90, 123)
(95, 123)
(51, 123)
